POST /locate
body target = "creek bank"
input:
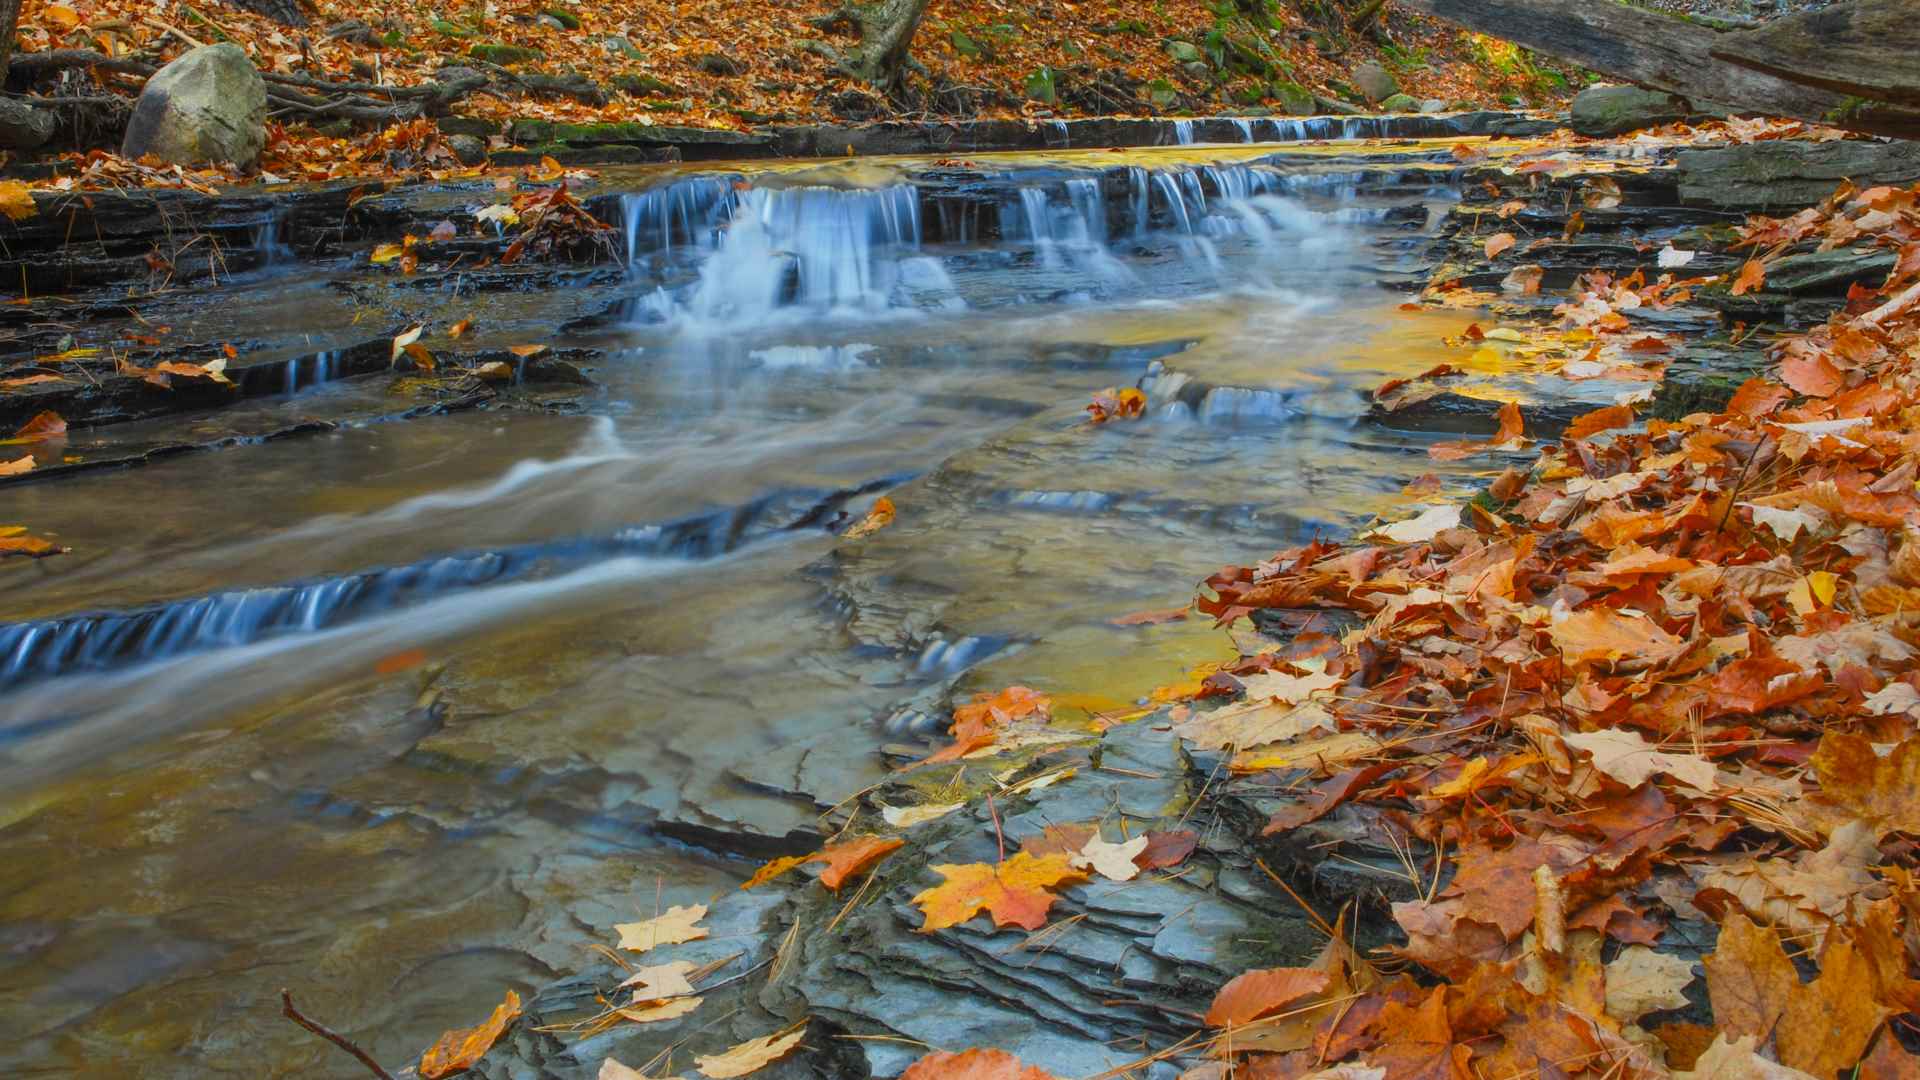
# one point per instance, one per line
(1124, 971)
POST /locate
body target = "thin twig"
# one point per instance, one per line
(341, 1041)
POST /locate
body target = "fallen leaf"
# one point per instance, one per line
(1748, 978)
(1525, 281)
(850, 857)
(1500, 242)
(671, 928)
(877, 518)
(906, 817)
(659, 981)
(1428, 525)
(16, 200)
(1752, 277)
(459, 328)
(1878, 790)
(44, 425)
(1829, 1022)
(752, 1055)
(613, 1070)
(404, 339)
(1603, 634)
(975, 1064)
(1166, 849)
(1627, 757)
(1738, 1059)
(1607, 419)
(1255, 994)
(1112, 861)
(1640, 981)
(1014, 893)
(458, 1050)
(657, 1012)
(17, 466)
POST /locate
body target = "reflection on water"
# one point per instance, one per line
(401, 803)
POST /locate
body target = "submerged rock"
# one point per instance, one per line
(209, 105)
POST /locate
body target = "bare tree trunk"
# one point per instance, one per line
(1681, 57)
(9, 22)
(886, 33)
(21, 125)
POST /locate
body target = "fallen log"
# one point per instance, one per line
(1678, 57)
(1868, 49)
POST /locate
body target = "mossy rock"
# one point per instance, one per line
(620, 46)
(1039, 87)
(1294, 99)
(523, 132)
(643, 85)
(504, 55)
(1401, 103)
(565, 18)
(452, 29)
(966, 46)
(1185, 52)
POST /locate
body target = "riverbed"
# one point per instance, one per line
(406, 711)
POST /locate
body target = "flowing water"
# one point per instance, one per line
(644, 656)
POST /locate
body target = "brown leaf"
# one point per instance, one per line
(44, 425)
(1878, 790)
(975, 1064)
(1262, 993)
(1748, 978)
(1812, 374)
(1165, 849)
(457, 1051)
(17, 466)
(1752, 277)
(1500, 242)
(1586, 424)
(751, 1056)
(850, 857)
(1828, 1022)
(1603, 634)
(1419, 1042)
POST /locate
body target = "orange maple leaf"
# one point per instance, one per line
(975, 1064)
(1264, 992)
(1014, 893)
(458, 1050)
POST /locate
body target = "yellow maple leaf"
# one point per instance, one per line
(1014, 893)
(16, 200)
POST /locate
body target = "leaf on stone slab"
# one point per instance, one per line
(1672, 258)
(659, 981)
(16, 200)
(1640, 981)
(1752, 277)
(772, 870)
(751, 1056)
(44, 425)
(975, 1064)
(1289, 689)
(672, 928)
(1498, 243)
(1015, 893)
(1253, 723)
(17, 466)
(906, 817)
(850, 857)
(877, 518)
(1255, 994)
(457, 1051)
(1525, 281)
(1167, 849)
(1112, 861)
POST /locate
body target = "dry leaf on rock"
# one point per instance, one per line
(613, 1070)
(1428, 525)
(660, 981)
(850, 857)
(1112, 861)
(1251, 724)
(654, 1012)
(672, 928)
(1014, 893)
(752, 1055)
(1288, 689)
(458, 1050)
(1255, 994)
(975, 1064)
(906, 817)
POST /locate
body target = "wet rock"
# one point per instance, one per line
(1433, 105)
(643, 86)
(470, 149)
(1785, 175)
(1375, 82)
(1829, 271)
(1605, 111)
(210, 105)
(465, 125)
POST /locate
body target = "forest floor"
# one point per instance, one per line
(730, 66)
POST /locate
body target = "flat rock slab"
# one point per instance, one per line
(1784, 175)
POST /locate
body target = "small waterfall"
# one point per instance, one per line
(320, 369)
(684, 214)
(271, 250)
(813, 250)
(1138, 192)
(1072, 235)
(1183, 132)
(1066, 136)
(1033, 204)
(1090, 207)
(1246, 129)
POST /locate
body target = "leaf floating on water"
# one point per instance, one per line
(455, 331)
(672, 928)
(17, 466)
(1114, 404)
(404, 339)
(975, 1064)
(524, 351)
(457, 1051)
(751, 1056)
(877, 518)
(1151, 618)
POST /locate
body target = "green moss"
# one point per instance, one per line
(504, 55)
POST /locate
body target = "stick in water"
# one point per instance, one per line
(341, 1041)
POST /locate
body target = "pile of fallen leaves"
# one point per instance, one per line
(1665, 673)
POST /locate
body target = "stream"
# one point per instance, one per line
(404, 713)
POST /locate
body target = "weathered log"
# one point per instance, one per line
(1665, 54)
(1867, 48)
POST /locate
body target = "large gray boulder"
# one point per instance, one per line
(210, 105)
(1601, 112)
(1375, 81)
(1786, 175)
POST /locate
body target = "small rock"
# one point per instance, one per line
(619, 46)
(470, 149)
(720, 64)
(643, 86)
(550, 22)
(1375, 82)
(1433, 105)
(352, 31)
(1197, 70)
(1185, 52)
(565, 20)
(1604, 111)
(208, 105)
(1401, 103)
